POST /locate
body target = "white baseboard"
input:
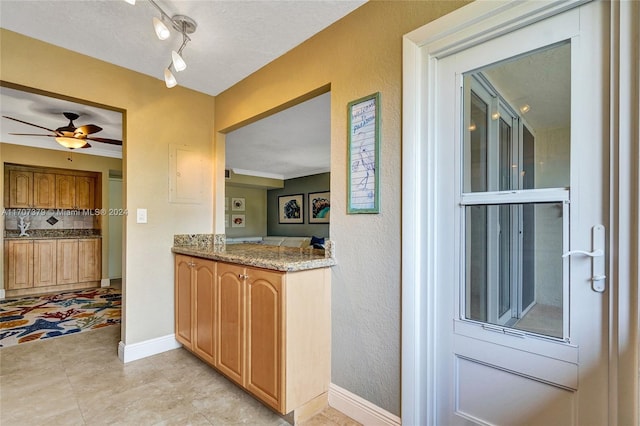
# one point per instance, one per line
(105, 282)
(2, 293)
(359, 409)
(135, 351)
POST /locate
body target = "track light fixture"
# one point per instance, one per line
(182, 24)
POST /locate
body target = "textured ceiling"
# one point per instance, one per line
(233, 39)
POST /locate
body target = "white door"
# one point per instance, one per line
(521, 323)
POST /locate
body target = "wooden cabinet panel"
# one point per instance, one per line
(65, 192)
(205, 280)
(20, 189)
(19, 264)
(89, 259)
(48, 188)
(67, 262)
(44, 263)
(264, 335)
(44, 190)
(230, 321)
(85, 192)
(183, 300)
(271, 330)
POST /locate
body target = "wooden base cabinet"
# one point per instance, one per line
(195, 305)
(272, 329)
(38, 266)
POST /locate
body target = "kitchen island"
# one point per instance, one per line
(260, 315)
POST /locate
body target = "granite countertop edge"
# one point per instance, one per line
(51, 236)
(291, 261)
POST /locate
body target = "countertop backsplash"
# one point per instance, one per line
(51, 222)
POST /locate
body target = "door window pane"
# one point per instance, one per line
(478, 144)
(536, 304)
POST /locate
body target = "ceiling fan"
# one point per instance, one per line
(70, 136)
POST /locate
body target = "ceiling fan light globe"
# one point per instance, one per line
(178, 63)
(161, 29)
(169, 78)
(71, 143)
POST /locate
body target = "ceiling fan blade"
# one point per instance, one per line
(33, 134)
(30, 124)
(88, 129)
(105, 140)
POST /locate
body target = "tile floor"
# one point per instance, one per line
(79, 380)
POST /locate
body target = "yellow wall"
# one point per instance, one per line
(357, 56)
(155, 117)
(19, 154)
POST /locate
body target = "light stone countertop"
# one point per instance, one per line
(286, 259)
(39, 234)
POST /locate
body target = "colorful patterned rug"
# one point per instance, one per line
(32, 318)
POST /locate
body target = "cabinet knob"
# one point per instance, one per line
(243, 276)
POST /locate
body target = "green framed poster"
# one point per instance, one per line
(363, 182)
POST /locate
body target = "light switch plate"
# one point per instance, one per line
(141, 216)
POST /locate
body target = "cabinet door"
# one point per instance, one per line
(230, 321)
(183, 298)
(264, 335)
(44, 263)
(19, 264)
(67, 261)
(204, 305)
(85, 192)
(89, 259)
(20, 189)
(44, 190)
(65, 192)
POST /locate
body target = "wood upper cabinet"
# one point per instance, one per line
(67, 261)
(264, 304)
(19, 264)
(85, 192)
(44, 263)
(230, 321)
(75, 192)
(89, 259)
(20, 189)
(65, 192)
(44, 190)
(48, 188)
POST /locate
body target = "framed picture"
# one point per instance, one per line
(290, 208)
(319, 205)
(363, 181)
(237, 204)
(237, 221)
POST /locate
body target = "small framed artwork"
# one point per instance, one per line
(319, 205)
(363, 180)
(237, 221)
(237, 204)
(290, 208)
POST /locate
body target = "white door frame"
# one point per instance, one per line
(464, 28)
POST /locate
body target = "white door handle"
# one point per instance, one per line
(598, 278)
(595, 253)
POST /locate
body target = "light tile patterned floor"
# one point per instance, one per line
(79, 380)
